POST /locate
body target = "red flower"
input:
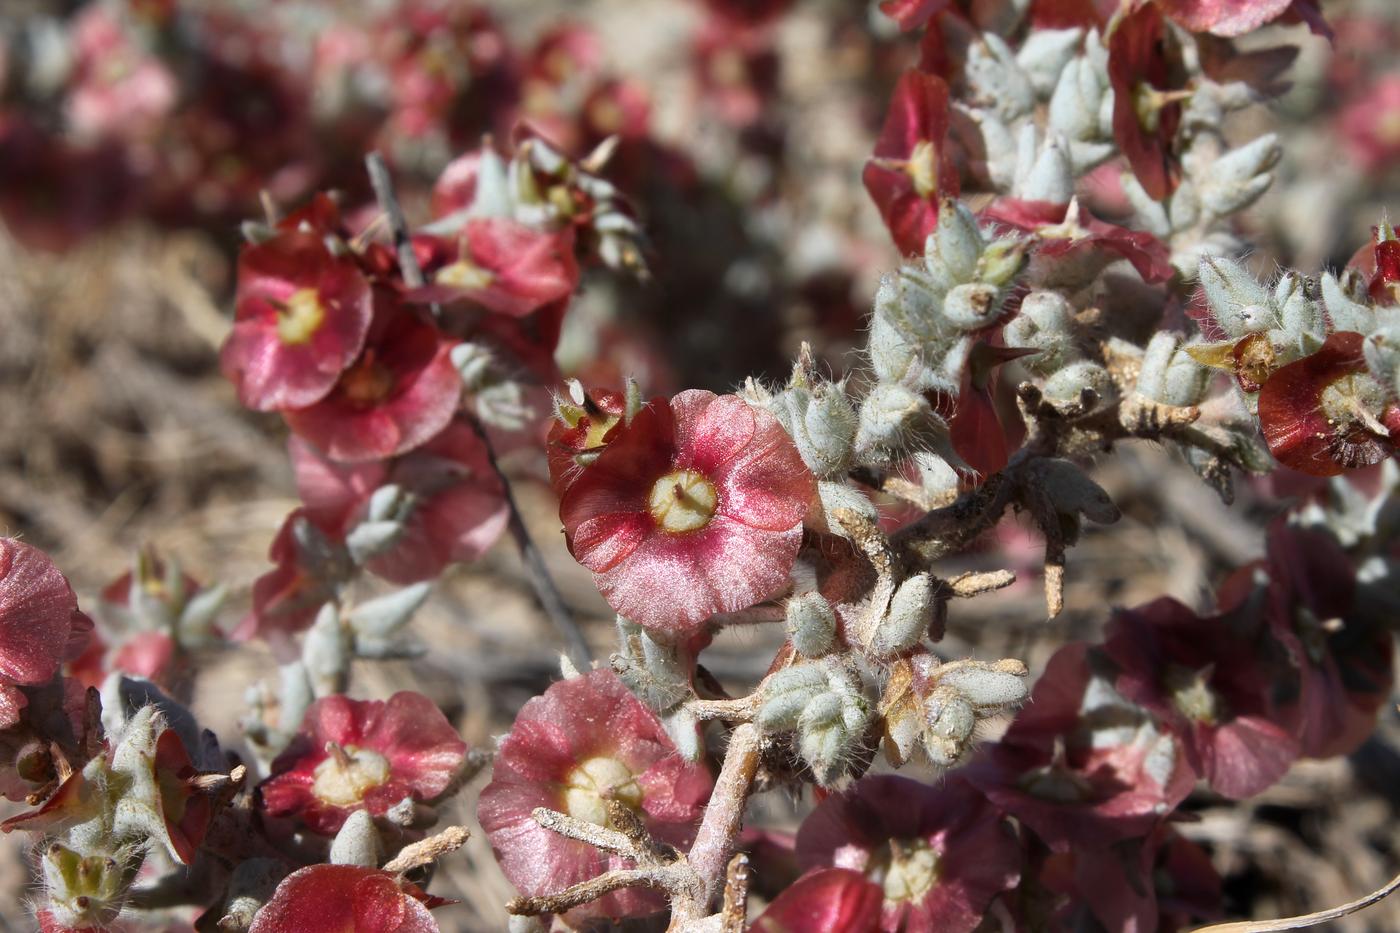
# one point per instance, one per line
(302, 319)
(586, 741)
(1160, 882)
(911, 14)
(458, 507)
(1370, 124)
(1324, 414)
(913, 167)
(402, 390)
(1223, 17)
(1080, 766)
(1207, 683)
(352, 755)
(40, 625)
(1379, 262)
(500, 264)
(695, 509)
(342, 898)
(1066, 234)
(1146, 108)
(1344, 660)
(941, 854)
(827, 900)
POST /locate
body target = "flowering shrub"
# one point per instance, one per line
(1062, 182)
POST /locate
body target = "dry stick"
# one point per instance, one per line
(1306, 920)
(724, 817)
(540, 580)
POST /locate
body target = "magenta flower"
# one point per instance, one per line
(40, 625)
(695, 509)
(402, 390)
(341, 898)
(940, 853)
(351, 755)
(500, 264)
(827, 900)
(302, 319)
(1223, 17)
(913, 168)
(585, 742)
(1081, 766)
(1208, 684)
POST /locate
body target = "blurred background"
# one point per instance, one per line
(135, 136)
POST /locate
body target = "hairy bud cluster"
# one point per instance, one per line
(825, 705)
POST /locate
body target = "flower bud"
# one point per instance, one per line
(834, 496)
(811, 624)
(473, 363)
(1382, 351)
(936, 475)
(1045, 54)
(986, 686)
(325, 651)
(1066, 384)
(1045, 323)
(1345, 312)
(787, 693)
(657, 672)
(1151, 215)
(828, 431)
(1152, 372)
(830, 730)
(907, 621)
(968, 307)
(1238, 178)
(889, 416)
(86, 892)
(893, 355)
(1074, 105)
(1050, 179)
(1239, 304)
(385, 615)
(957, 244)
(996, 77)
(1300, 316)
(357, 842)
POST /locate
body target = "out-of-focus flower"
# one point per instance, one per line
(337, 898)
(587, 741)
(499, 264)
(1370, 125)
(913, 168)
(940, 854)
(695, 509)
(827, 900)
(302, 319)
(399, 392)
(1210, 686)
(285, 598)
(351, 755)
(117, 88)
(1326, 413)
(736, 69)
(1080, 765)
(1223, 17)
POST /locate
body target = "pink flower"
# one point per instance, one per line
(1223, 17)
(1326, 413)
(402, 390)
(1207, 683)
(351, 755)
(1081, 766)
(1146, 110)
(913, 168)
(940, 854)
(302, 319)
(827, 900)
(457, 508)
(40, 625)
(1370, 125)
(695, 509)
(500, 264)
(286, 598)
(911, 14)
(341, 898)
(1066, 234)
(585, 742)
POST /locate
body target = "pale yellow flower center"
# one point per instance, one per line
(923, 168)
(912, 870)
(343, 779)
(1192, 695)
(464, 274)
(301, 316)
(683, 500)
(590, 786)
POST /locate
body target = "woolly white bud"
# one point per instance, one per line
(811, 624)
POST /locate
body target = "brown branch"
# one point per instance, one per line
(429, 850)
(724, 816)
(1305, 920)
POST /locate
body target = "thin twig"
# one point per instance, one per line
(545, 589)
(429, 850)
(1305, 920)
